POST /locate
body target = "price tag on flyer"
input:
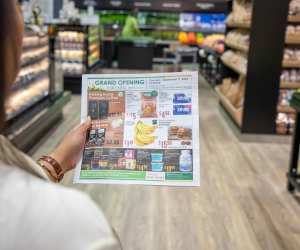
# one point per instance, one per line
(145, 129)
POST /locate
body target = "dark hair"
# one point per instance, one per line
(3, 16)
(7, 10)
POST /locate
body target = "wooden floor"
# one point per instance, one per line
(242, 203)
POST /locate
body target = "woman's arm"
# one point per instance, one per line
(68, 153)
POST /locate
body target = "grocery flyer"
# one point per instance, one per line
(145, 129)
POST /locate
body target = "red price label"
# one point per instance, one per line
(131, 115)
(163, 144)
(128, 143)
(164, 114)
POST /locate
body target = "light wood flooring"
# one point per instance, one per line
(242, 203)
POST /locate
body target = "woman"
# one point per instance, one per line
(36, 213)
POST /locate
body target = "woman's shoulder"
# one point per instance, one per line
(61, 212)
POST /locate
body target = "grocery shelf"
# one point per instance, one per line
(283, 109)
(240, 47)
(234, 67)
(292, 39)
(236, 114)
(22, 110)
(28, 81)
(290, 85)
(294, 19)
(291, 64)
(167, 42)
(26, 129)
(238, 25)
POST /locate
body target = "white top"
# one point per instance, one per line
(39, 215)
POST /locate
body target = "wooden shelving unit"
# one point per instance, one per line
(291, 64)
(241, 47)
(290, 85)
(294, 19)
(234, 67)
(235, 113)
(292, 39)
(264, 65)
(283, 109)
(243, 25)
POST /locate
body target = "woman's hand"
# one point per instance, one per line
(68, 153)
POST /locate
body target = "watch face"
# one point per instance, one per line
(103, 109)
(93, 110)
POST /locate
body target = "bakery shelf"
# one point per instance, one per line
(240, 47)
(292, 39)
(290, 85)
(236, 114)
(283, 109)
(238, 25)
(291, 64)
(234, 67)
(294, 19)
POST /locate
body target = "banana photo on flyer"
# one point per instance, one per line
(145, 129)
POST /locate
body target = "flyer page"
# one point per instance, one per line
(145, 129)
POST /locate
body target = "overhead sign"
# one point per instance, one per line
(158, 5)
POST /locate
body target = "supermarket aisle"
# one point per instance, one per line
(241, 204)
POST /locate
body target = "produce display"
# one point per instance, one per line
(241, 12)
(235, 60)
(161, 19)
(32, 82)
(215, 42)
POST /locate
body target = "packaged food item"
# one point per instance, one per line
(186, 161)
(182, 109)
(157, 157)
(130, 160)
(181, 98)
(149, 103)
(157, 166)
(143, 160)
(171, 160)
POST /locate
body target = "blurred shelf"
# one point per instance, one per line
(283, 109)
(290, 85)
(292, 39)
(167, 42)
(291, 64)
(236, 114)
(240, 47)
(211, 51)
(294, 19)
(238, 25)
(234, 67)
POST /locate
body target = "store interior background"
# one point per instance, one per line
(248, 57)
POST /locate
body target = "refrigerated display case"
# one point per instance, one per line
(77, 48)
(35, 103)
